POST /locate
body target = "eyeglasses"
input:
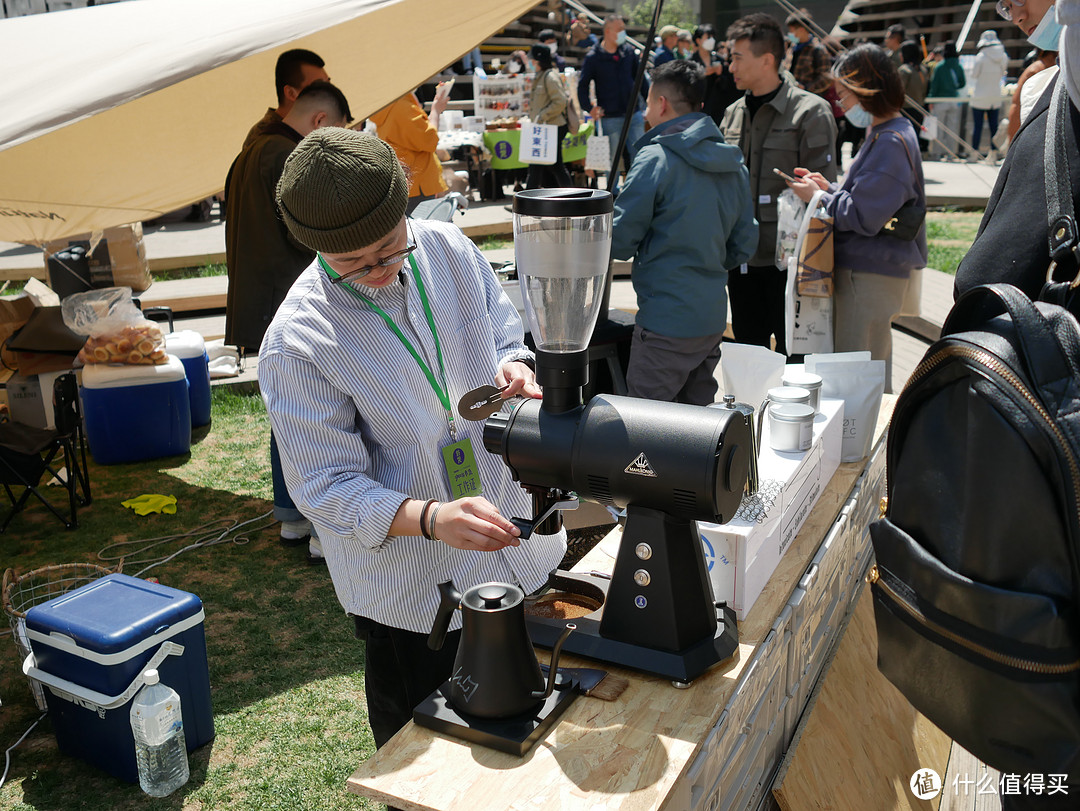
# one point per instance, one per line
(390, 261)
(1005, 7)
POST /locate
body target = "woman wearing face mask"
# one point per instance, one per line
(871, 269)
(945, 82)
(685, 47)
(720, 90)
(1012, 245)
(1037, 20)
(516, 64)
(547, 105)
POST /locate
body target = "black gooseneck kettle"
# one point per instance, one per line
(496, 674)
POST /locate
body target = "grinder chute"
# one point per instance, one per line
(668, 464)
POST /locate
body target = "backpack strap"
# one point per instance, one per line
(1061, 218)
(1038, 345)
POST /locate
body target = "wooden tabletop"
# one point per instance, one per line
(624, 754)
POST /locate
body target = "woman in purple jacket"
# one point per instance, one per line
(871, 267)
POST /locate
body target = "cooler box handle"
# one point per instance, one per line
(91, 699)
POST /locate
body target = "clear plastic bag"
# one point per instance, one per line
(789, 216)
(118, 332)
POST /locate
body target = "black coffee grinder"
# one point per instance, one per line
(668, 464)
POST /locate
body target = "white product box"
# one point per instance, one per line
(743, 553)
(30, 399)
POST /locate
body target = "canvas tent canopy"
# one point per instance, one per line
(119, 113)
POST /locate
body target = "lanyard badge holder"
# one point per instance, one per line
(458, 460)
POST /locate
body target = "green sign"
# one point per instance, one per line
(504, 145)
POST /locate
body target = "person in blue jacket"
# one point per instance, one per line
(610, 68)
(685, 216)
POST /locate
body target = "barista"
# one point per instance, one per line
(361, 369)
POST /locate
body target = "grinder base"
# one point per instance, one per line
(682, 666)
(515, 735)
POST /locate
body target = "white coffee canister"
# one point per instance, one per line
(805, 380)
(789, 394)
(791, 427)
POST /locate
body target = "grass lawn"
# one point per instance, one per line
(949, 235)
(285, 670)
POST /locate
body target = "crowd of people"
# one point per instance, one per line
(370, 325)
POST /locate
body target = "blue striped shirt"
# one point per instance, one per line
(361, 430)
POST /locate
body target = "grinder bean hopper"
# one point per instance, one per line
(668, 464)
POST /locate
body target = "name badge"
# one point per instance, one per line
(461, 470)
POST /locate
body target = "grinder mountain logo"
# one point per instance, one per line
(640, 467)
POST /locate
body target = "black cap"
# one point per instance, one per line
(563, 202)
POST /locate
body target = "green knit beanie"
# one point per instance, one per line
(342, 190)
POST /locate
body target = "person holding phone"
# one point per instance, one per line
(871, 268)
(777, 126)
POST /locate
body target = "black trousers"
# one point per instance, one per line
(400, 671)
(756, 300)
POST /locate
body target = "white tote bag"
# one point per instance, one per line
(808, 320)
(912, 304)
(539, 143)
(930, 128)
(598, 152)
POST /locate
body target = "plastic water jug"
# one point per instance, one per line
(158, 729)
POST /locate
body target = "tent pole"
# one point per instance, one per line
(639, 80)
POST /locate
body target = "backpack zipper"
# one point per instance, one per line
(991, 362)
(874, 578)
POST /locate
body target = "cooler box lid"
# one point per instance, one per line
(185, 344)
(107, 376)
(113, 619)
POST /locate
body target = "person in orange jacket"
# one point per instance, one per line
(414, 135)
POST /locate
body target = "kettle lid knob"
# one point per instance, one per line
(492, 595)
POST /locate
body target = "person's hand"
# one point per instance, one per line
(442, 99)
(806, 183)
(474, 523)
(597, 111)
(519, 379)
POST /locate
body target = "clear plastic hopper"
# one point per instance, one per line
(562, 245)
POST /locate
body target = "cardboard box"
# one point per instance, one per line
(45, 343)
(743, 553)
(14, 312)
(116, 258)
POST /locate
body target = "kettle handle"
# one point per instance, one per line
(449, 600)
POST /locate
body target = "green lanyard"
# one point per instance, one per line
(440, 391)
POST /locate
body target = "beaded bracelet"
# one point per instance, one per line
(423, 519)
(434, 515)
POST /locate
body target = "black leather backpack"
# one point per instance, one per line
(977, 577)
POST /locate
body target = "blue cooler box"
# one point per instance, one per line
(135, 413)
(189, 346)
(90, 648)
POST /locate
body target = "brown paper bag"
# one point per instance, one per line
(815, 265)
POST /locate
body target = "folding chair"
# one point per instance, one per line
(28, 453)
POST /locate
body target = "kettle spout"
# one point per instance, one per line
(449, 600)
(553, 668)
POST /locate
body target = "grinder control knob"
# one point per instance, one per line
(642, 577)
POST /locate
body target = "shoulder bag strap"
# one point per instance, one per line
(911, 161)
(1061, 218)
